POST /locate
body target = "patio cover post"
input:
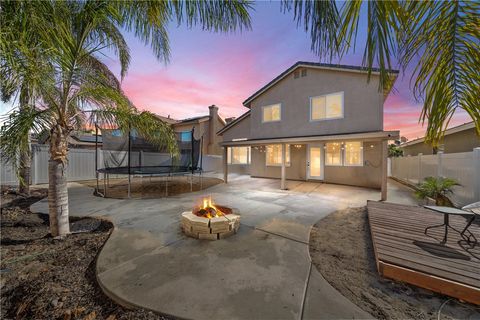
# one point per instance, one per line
(225, 164)
(284, 154)
(384, 169)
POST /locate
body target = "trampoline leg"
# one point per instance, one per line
(105, 185)
(191, 183)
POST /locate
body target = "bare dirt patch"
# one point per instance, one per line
(152, 188)
(45, 278)
(342, 251)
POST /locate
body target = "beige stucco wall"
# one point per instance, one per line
(296, 171)
(214, 141)
(369, 175)
(239, 130)
(200, 129)
(463, 141)
(239, 168)
(363, 105)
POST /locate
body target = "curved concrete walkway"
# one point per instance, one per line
(263, 272)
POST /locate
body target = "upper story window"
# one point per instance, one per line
(329, 106)
(238, 155)
(274, 155)
(185, 136)
(272, 113)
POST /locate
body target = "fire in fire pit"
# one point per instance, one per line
(209, 210)
(210, 221)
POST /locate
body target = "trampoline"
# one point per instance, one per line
(130, 155)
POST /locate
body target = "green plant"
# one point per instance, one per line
(51, 56)
(438, 189)
(394, 151)
(439, 40)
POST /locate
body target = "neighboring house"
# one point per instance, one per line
(76, 140)
(314, 121)
(462, 138)
(204, 126)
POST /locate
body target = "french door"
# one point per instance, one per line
(315, 161)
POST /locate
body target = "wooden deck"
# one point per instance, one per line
(404, 253)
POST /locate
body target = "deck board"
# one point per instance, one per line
(404, 253)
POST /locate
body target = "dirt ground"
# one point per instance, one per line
(342, 251)
(152, 188)
(45, 278)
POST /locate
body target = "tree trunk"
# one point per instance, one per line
(25, 161)
(24, 169)
(57, 182)
(58, 198)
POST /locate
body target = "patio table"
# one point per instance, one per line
(447, 211)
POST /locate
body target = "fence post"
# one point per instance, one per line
(420, 167)
(440, 165)
(476, 173)
(34, 173)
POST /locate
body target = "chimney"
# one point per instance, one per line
(213, 128)
(228, 120)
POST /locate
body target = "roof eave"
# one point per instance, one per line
(300, 64)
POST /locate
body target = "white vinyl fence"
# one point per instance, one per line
(81, 164)
(463, 167)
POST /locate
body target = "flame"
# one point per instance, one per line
(207, 203)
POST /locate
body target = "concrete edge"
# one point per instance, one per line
(313, 266)
(110, 294)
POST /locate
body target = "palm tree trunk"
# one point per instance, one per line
(24, 170)
(25, 161)
(57, 183)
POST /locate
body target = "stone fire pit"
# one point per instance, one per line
(210, 222)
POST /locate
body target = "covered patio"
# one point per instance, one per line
(313, 158)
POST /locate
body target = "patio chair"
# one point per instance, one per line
(471, 210)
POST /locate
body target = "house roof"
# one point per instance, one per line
(86, 138)
(166, 119)
(384, 135)
(194, 119)
(305, 64)
(459, 128)
(234, 122)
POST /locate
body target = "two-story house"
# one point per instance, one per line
(314, 121)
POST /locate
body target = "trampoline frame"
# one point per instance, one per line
(186, 170)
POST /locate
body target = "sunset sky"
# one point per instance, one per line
(224, 69)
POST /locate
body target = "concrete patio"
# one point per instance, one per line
(263, 272)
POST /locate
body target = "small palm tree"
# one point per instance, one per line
(438, 189)
(73, 83)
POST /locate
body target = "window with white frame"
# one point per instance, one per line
(274, 155)
(333, 154)
(329, 106)
(344, 154)
(353, 153)
(238, 155)
(272, 113)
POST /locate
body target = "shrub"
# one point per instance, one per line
(438, 189)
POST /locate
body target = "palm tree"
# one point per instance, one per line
(440, 40)
(20, 64)
(71, 38)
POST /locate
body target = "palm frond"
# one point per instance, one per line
(16, 128)
(443, 42)
(322, 20)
